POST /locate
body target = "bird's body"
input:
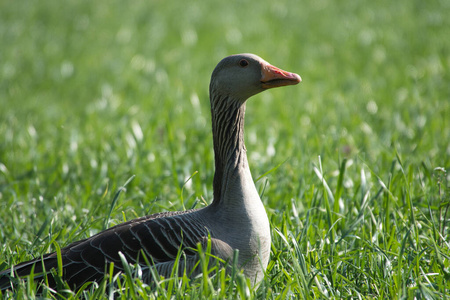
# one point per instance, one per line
(236, 219)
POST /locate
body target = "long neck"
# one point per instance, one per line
(228, 138)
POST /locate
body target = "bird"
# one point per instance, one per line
(235, 222)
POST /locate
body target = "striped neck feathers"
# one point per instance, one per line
(227, 115)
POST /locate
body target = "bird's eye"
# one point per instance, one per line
(243, 63)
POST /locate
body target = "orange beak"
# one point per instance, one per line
(272, 77)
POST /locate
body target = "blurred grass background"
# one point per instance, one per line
(92, 93)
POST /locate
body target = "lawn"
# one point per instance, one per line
(352, 164)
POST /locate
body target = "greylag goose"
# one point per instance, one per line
(235, 220)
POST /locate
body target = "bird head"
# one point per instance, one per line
(244, 75)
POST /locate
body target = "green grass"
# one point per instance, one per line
(95, 92)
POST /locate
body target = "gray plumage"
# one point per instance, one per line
(235, 220)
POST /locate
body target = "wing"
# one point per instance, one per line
(158, 237)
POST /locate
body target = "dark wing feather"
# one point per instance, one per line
(159, 236)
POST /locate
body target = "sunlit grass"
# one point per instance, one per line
(356, 157)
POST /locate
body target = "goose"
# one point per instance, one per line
(235, 220)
